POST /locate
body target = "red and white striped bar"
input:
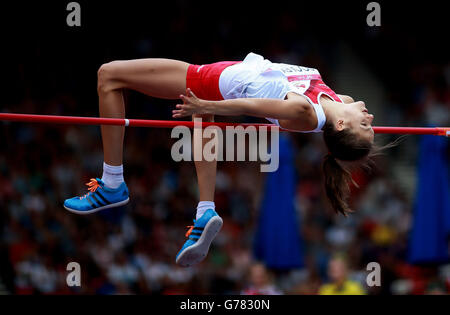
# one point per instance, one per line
(73, 120)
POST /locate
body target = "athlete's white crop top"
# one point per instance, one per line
(256, 77)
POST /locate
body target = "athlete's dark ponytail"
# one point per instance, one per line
(337, 187)
(346, 149)
(342, 146)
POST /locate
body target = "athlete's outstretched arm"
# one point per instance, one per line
(258, 107)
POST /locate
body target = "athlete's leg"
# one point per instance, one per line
(208, 223)
(206, 170)
(162, 78)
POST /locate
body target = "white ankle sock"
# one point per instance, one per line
(112, 175)
(203, 206)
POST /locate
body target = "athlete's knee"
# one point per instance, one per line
(106, 76)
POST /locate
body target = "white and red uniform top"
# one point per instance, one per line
(256, 77)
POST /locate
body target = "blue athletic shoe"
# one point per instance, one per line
(200, 236)
(98, 198)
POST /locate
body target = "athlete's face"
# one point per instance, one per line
(356, 117)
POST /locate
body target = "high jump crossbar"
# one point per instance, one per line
(74, 120)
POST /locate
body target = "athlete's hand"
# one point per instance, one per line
(191, 105)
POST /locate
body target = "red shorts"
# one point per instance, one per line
(203, 80)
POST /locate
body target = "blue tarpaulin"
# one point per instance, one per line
(431, 224)
(277, 240)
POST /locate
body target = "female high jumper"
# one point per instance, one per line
(293, 97)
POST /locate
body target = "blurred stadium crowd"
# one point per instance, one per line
(131, 250)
